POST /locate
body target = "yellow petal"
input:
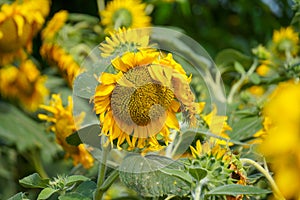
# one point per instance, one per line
(172, 121)
(20, 24)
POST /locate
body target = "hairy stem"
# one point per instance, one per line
(274, 187)
(240, 82)
(101, 172)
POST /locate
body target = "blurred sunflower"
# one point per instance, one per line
(63, 125)
(19, 23)
(285, 42)
(282, 137)
(56, 55)
(140, 102)
(124, 40)
(128, 14)
(79, 32)
(23, 84)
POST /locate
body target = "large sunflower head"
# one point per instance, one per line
(19, 23)
(128, 14)
(139, 104)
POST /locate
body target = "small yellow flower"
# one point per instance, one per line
(24, 84)
(285, 41)
(124, 40)
(128, 14)
(263, 70)
(262, 52)
(256, 90)
(63, 125)
(139, 103)
(282, 137)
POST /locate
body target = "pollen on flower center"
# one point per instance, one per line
(142, 100)
(149, 102)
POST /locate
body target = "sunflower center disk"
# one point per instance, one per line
(140, 103)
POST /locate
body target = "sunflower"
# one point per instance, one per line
(128, 14)
(140, 102)
(55, 54)
(23, 84)
(285, 41)
(63, 125)
(281, 137)
(19, 23)
(54, 25)
(124, 40)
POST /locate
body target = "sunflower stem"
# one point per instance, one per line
(101, 6)
(240, 82)
(34, 157)
(101, 172)
(274, 187)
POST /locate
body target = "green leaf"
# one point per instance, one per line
(154, 175)
(225, 59)
(74, 139)
(34, 181)
(245, 128)
(177, 173)
(197, 172)
(86, 188)
(255, 78)
(19, 196)
(239, 68)
(73, 196)
(236, 189)
(76, 178)
(46, 193)
(17, 128)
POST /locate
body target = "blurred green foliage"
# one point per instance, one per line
(215, 24)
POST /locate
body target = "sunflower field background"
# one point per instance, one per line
(157, 132)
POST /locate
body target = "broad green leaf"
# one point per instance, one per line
(74, 139)
(86, 188)
(25, 133)
(76, 178)
(236, 189)
(177, 173)
(73, 196)
(19, 196)
(34, 181)
(153, 175)
(197, 172)
(245, 128)
(46, 193)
